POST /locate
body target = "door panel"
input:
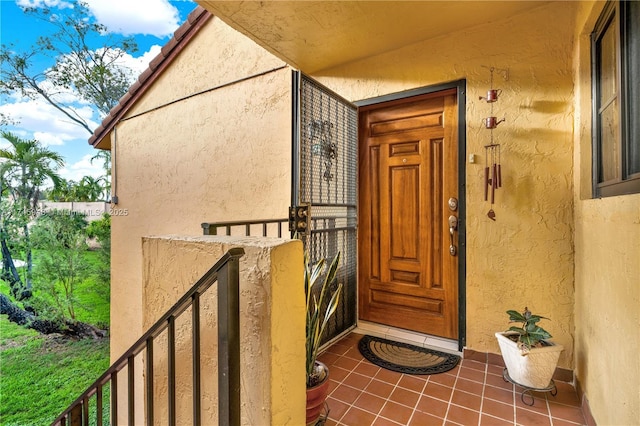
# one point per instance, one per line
(408, 172)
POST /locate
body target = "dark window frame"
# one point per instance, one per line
(626, 181)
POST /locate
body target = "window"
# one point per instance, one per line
(615, 45)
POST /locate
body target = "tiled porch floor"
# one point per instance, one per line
(473, 393)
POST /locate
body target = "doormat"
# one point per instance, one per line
(405, 358)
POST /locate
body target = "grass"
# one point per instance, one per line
(40, 376)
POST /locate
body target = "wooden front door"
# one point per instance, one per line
(408, 171)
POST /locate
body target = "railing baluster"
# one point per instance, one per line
(114, 398)
(229, 344)
(85, 411)
(149, 380)
(264, 229)
(226, 273)
(171, 358)
(195, 330)
(99, 407)
(247, 229)
(76, 415)
(131, 397)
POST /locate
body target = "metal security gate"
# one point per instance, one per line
(325, 160)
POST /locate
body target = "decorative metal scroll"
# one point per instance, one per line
(321, 137)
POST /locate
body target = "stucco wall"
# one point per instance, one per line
(607, 270)
(224, 154)
(525, 257)
(272, 315)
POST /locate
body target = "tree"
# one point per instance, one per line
(61, 236)
(105, 156)
(27, 166)
(89, 189)
(101, 231)
(95, 76)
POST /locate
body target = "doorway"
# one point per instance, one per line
(401, 158)
(409, 213)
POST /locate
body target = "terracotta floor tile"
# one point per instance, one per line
(369, 402)
(454, 371)
(381, 421)
(432, 406)
(560, 422)
(498, 381)
(396, 412)
(339, 348)
(495, 369)
(413, 383)
(526, 417)
(443, 379)
(337, 408)
(471, 374)
(404, 397)
(388, 376)
(346, 363)
(338, 374)
(438, 391)
(367, 369)
(467, 400)
(539, 404)
(332, 386)
(379, 388)
(486, 420)
(469, 386)
(474, 364)
(474, 393)
(424, 419)
(462, 415)
(354, 353)
(497, 409)
(357, 417)
(566, 412)
(346, 394)
(502, 395)
(328, 358)
(357, 381)
(566, 395)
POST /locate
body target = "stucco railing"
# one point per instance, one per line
(91, 403)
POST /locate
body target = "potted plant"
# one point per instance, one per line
(529, 356)
(319, 311)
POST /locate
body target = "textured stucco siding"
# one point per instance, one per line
(525, 257)
(272, 319)
(220, 155)
(607, 268)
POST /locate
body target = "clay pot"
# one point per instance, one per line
(316, 397)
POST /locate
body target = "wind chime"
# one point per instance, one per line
(492, 167)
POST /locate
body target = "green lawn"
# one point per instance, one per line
(41, 375)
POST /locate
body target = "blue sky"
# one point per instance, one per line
(151, 22)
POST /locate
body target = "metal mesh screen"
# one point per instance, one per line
(328, 149)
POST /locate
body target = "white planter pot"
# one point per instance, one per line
(533, 369)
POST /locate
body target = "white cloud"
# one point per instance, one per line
(46, 123)
(79, 169)
(61, 4)
(129, 17)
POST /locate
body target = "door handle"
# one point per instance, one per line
(453, 226)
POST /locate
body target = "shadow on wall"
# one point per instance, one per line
(547, 107)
